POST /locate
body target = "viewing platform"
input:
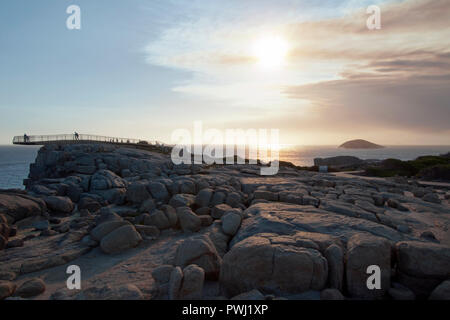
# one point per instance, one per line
(88, 138)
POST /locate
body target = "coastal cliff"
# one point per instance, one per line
(140, 227)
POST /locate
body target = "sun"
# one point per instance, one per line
(270, 51)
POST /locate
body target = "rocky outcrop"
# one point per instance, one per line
(7, 289)
(106, 179)
(111, 292)
(199, 251)
(100, 231)
(335, 259)
(287, 219)
(120, 239)
(162, 273)
(363, 252)
(163, 219)
(30, 288)
(231, 221)
(331, 294)
(89, 203)
(422, 266)
(214, 232)
(182, 200)
(189, 221)
(159, 191)
(16, 206)
(192, 284)
(59, 204)
(338, 162)
(175, 281)
(251, 295)
(218, 237)
(441, 292)
(4, 232)
(109, 186)
(137, 193)
(203, 198)
(219, 210)
(266, 262)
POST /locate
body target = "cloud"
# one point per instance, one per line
(339, 76)
(395, 78)
(416, 104)
(406, 16)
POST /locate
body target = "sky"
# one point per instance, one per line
(144, 68)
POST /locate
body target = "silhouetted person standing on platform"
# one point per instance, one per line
(25, 138)
(77, 136)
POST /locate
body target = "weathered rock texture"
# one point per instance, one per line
(141, 227)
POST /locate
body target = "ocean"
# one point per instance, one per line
(15, 165)
(304, 155)
(15, 160)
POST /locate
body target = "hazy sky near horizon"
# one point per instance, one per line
(144, 68)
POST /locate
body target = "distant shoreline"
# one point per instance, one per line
(283, 146)
(298, 155)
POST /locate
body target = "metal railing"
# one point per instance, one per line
(73, 138)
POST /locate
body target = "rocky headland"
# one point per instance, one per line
(140, 227)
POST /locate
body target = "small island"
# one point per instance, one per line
(360, 144)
